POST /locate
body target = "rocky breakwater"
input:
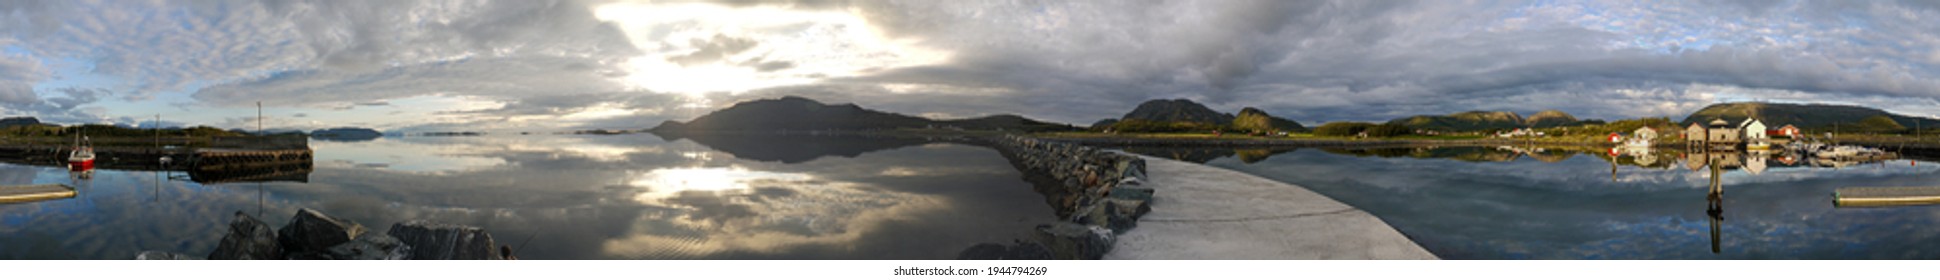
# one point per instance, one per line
(313, 235)
(1097, 194)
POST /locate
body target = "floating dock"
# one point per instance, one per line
(32, 193)
(1885, 196)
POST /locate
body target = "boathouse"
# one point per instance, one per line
(1645, 133)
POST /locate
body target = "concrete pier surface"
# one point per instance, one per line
(1204, 212)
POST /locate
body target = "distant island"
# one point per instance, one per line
(451, 133)
(346, 134)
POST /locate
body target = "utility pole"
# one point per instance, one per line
(259, 117)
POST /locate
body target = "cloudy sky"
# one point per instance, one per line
(542, 65)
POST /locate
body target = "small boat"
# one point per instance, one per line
(81, 158)
(1843, 151)
(1758, 145)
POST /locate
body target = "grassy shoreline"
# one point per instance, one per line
(1302, 140)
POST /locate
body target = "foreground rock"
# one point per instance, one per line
(1072, 241)
(248, 239)
(1019, 250)
(369, 247)
(438, 241)
(162, 256)
(312, 232)
(313, 235)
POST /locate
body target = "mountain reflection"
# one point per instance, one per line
(789, 148)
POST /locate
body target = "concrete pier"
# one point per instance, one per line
(1204, 212)
(31, 193)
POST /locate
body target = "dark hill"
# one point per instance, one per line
(1550, 118)
(801, 114)
(1807, 116)
(18, 121)
(1177, 110)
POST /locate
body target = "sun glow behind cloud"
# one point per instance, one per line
(697, 48)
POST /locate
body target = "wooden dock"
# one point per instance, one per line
(1885, 196)
(32, 193)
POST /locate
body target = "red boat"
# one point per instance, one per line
(82, 158)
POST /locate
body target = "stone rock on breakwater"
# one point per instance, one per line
(1090, 188)
(312, 231)
(313, 235)
(1018, 250)
(248, 239)
(437, 241)
(1076, 241)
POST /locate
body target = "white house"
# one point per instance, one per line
(1754, 130)
(1645, 133)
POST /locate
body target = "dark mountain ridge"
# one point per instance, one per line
(793, 113)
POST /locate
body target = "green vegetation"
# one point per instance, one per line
(1255, 121)
(1342, 128)
(1878, 124)
(1389, 130)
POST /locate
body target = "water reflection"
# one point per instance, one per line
(794, 148)
(1600, 203)
(573, 197)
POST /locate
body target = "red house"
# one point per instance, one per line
(1787, 131)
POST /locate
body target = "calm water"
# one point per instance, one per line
(572, 197)
(1495, 203)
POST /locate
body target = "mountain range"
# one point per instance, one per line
(801, 114)
(1188, 112)
(791, 113)
(1486, 120)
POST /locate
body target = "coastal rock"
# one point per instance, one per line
(312, 231)
(1018, 250)
(1076, 241)
(437, 241)
(248, 239)
(370, 247)
(984, 251)
(162, 256)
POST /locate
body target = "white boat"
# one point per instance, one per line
(1637, 143)
(1843, 151)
